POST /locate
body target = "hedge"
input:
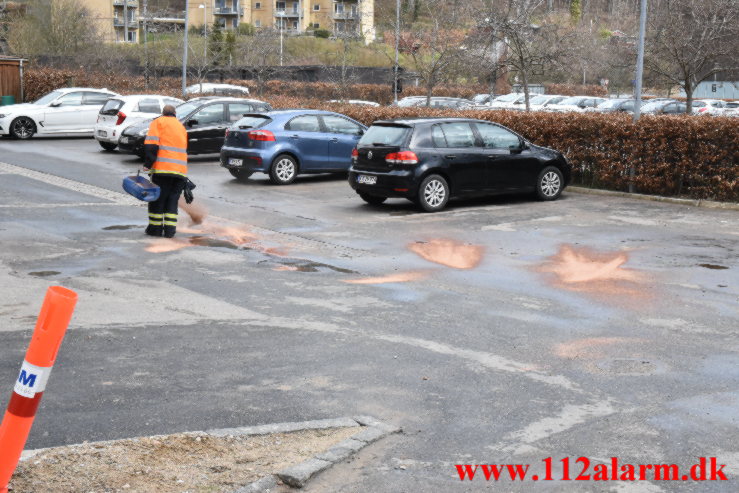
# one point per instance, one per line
(687, 156)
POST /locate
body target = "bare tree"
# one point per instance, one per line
(530, 47)
(691, 41)
(61, 27)
(259, 54)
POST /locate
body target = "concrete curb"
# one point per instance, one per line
(369, 430)
(708, 204)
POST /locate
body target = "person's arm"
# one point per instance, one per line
(151, 145)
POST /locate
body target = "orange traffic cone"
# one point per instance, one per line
(51, 326)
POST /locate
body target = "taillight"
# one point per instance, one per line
(121, 117)
(355, 154)
(403, 157)
(702, 110)
(228, 131)
(261, 135)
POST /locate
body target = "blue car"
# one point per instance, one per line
(287, 143)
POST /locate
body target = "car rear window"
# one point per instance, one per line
(111, 107)
(253, 121)
(385, 135)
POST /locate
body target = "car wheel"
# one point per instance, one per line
(549, 184)
(284, 169)
(240, 174)
(22, 128)
(107, 145)
(433, 194)
(372, 199)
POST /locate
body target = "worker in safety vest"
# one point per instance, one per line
(165, 155)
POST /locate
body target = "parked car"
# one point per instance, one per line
(483, 99)
(713, 107)
(539, 102)
(506, 101)
(68, 111)
(409, 101)
(429, 160)
(437, 102)
(614, 106)
(121, 112)
(287, 143)
(206, 120)
(663, 107)
(355, 101)
(575, 103)
(217, 89)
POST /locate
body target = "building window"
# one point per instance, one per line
(316, 25)
(295, 25)
(339, 8)
(257, 23)
(296, 7)
(280, 5)
(317, 7)
(132, 36)
(258, 5)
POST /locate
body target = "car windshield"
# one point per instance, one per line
(539, 99)
(49, 97)
(574, 100)
(611, 103)
(410, 102)
(385, 135)
(186, 108)
(481, 98)
(252, 121)
(655, 105)
(508, 98)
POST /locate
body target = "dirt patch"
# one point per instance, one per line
(185, 462)
(450, 253)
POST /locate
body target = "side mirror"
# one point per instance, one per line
(360, 132)
(192, 123)
(55, 104)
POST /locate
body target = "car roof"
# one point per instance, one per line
(131, 97)
(225, 99)
(421, 119)
(73, 89)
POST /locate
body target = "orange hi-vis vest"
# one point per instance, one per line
(170, 135)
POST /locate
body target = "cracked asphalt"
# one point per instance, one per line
(502, 330)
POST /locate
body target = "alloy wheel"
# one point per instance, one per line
(434, 193)
(550, 184)
(285, 169)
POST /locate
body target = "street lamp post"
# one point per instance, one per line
(397, 40)
(184, 50)
(205, 28)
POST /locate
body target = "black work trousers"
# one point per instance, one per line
(163, 211)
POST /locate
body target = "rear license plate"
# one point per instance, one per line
(366, 180)
(124, 140)
(235, 162)
(102, 133)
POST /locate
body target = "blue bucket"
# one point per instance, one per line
(141, 188)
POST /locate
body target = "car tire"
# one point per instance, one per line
(433, 193)
(22, 128)
(549, 183)
(284, 169)
(108, 146)
(240, 174)
(372, 199)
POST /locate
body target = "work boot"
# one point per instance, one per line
(154, 230)
(169, 231)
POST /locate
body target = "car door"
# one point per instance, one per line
(304, 132)
(206, 129)
(507, 165)
(343, 137)
(65, 114)
(456, 143)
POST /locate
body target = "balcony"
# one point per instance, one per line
(132, 23)
(132, 4)
(228, 11)
(287, 13)
(345, 15)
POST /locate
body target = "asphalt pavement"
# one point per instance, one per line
(499, 331)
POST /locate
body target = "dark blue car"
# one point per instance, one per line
(290, 142)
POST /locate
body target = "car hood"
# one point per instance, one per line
(546, 151)
(138, 127)
(25, 108)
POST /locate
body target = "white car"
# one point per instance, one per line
(507, 101)
(120, 112)
(540, 102)
(217, 89)
(713, 107)
(354, 101)
(575, 104)
(68, 111)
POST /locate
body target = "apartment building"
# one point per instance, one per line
(291, 16)
(110, 16)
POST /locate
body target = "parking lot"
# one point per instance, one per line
(500, 330)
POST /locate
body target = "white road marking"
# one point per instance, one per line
(75, 186)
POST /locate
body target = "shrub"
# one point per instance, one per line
(322, 33)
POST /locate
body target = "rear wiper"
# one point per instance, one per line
(379, 144)
(244, 127)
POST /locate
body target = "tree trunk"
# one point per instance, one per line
(689, 95)
(525, 80)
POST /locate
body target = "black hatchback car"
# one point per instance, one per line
(206, 120)
(429, 160)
